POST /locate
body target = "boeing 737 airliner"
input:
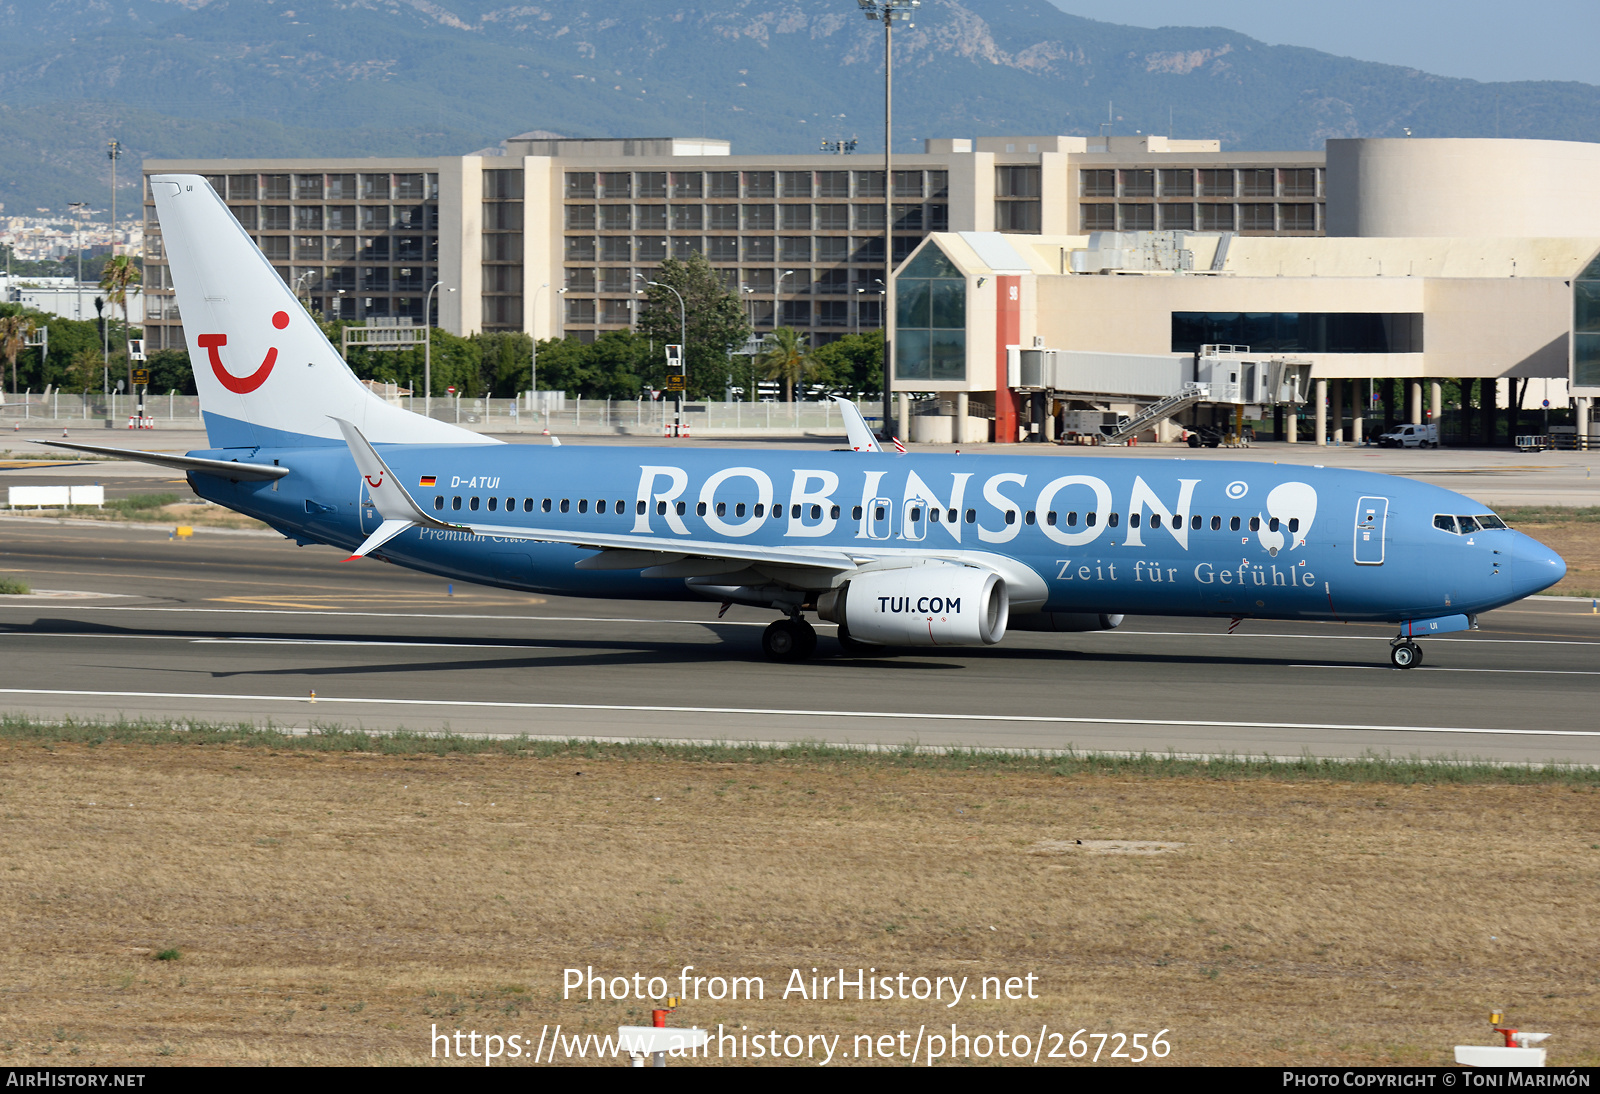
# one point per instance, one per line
(898, 550)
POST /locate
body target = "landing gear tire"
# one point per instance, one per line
(789, 640)
(1405, 655)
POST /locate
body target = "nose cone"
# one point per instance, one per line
(1535, 567)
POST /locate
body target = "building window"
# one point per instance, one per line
(796, 218)
(375, 187)
(616, 184)
(276, 187)
(650, 217)
(616, 280)
(580, 311)
(580, 185)
(616, 249)
(414, 187)
(580, 280)
(246, 216)
(1139, 184)
(616, 218)
(1297, 218)
(868, 249)
(869, 184)
(796, 184)
(1300, 332)
(938, 218)
(833, 313)
(1097, 184)
(722, 184)
(686, 184)
(760, 218)
(1175, 217)
(275, 218)
(579, 248)
(308, 247)
(1216, 183)
(723, 249)
(1177, 182)
(1137, 218)
(833, 281)
(1258, 217)
(1257, 182)
(1017, 216)
(795, 249)
(1586, 327)
(833, 218)
(833, 184)
(1299, 182)
(759, 248)
(650, 249)
(616, 311)
(931, 317)
(1016, 182)
(796, 313)
(938, 184)
(342, 188)
(651, 184)
(580, 217)
(1216, 218)
(687, 218)
(760, 184)
(908, 184)
(1099, 217)
(243, 187)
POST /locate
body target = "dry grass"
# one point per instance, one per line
(330, 907)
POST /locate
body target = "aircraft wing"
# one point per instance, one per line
(855, 427)
(245, 472)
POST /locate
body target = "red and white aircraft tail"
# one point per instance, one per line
(265, 373)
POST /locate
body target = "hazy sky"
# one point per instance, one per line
(1477, 39)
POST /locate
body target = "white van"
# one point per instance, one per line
(1410, 436)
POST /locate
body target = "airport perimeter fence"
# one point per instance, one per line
(558, 415)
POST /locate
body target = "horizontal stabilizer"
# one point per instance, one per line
(386, 531)
(244, 472)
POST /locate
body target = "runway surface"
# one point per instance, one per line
(244, 627)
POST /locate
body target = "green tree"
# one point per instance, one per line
(170, 371)
(14, 331)
(714, 318)
(786, 355)
(116, 278)
(85, 371)
(853, 365)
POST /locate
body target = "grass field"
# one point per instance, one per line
(244, 898)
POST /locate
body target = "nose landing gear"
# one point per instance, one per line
(789, 640)
(1405, 654)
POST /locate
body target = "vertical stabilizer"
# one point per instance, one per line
(266, 375)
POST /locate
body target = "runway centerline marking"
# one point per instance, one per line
(880, 715)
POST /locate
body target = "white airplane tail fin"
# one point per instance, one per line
(266, 374)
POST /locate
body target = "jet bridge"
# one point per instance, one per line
(1166, 384)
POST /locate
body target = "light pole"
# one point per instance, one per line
(113, 151)
(427, 348)
(533, 375)
(888, 12)
(683, 349)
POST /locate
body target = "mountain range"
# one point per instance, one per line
(236, 78)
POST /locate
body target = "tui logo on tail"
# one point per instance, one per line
(242, 385)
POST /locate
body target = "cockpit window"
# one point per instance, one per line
(1445, 523)
(1468, 525)
(1489, 520)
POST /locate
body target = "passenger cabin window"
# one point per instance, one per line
(1255, 524)
(1272, 525)
(1194, 523)
(855, 512)
(1027, 518)
(527, 505)
(1233, 525)
(972, 516)
(545, 506)
(494, 503)
(455, 502)
(583, 505)
(1216, 524)
(1112, 521)
(566, 506)
(1089, 520)
(639, 509)
(1294, 524)
(472, 504)
(700, 509)
(1133, 520)
(438, 501)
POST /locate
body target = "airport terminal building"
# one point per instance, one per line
(1388, 265)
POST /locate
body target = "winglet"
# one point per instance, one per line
(393, 503)
(855, 427)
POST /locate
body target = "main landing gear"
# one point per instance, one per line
(1405, 654)
(789, 640)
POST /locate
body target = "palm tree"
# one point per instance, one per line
(14, 331)
(785, 353)
(115, 280)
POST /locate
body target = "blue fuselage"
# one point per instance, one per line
(1115, 535)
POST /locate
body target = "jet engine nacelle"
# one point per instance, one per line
(939, 605)
(1066, 621)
